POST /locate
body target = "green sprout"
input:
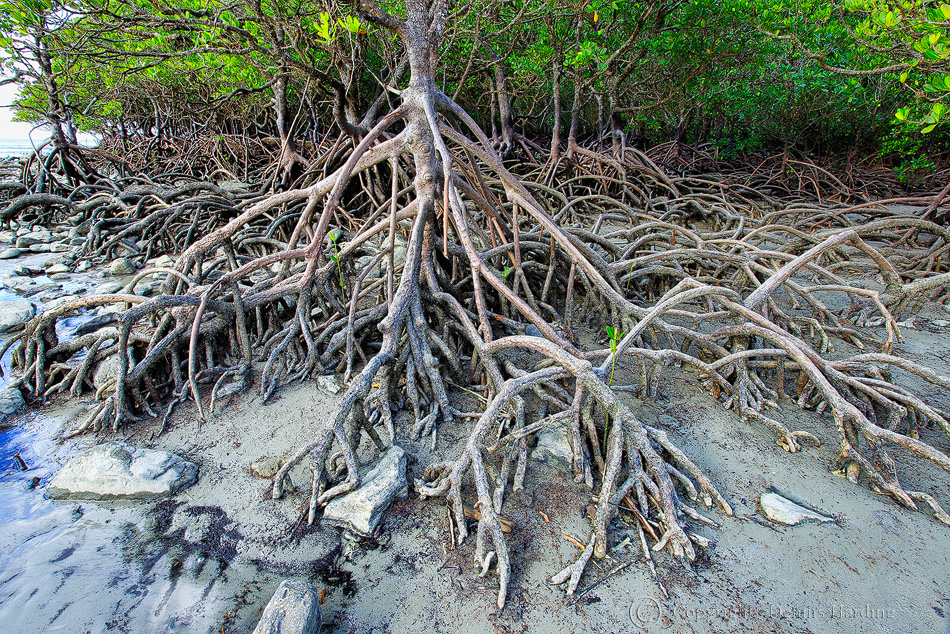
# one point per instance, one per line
(334, 236)
(615, 336)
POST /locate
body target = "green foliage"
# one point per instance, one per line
(747, 75)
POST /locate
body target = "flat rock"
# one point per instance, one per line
(11, 400)
(331, 384)
(59, 247)
(26, 271)
(784, 511)
(361, 510)
(294, 609)
(9, 254)
(83, 266)
(108, 288)
(32, 238)
(40, 248)
(57, 268)
(554, 447)
(118, 471)
(122, 266)
(15, 313)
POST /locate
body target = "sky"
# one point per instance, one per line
(10, 129)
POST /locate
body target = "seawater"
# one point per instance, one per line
(15, 147)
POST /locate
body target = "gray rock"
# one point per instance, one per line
(941, 323)
(95, 323)
(7, 236)
(106, 370)
(267, 467)
(9, 254)
(17, 281)
(57, 268)
(165, 261)
(40, 248)
(60, 277)
(532, 331)
(60, 247)
(361, 510)
(83, 266)
(15, 313)
(108, 288)
(26, 271)
(294, 609)
(331, 384)
(364, 261)
(147, 288)
(11, 400)
(117, 471)
(122, 266)
(33, 238)
(554, 447)
(784, 511)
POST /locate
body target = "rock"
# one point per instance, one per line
(9, 254)
(117, 471)
(148, 288)
(294, 609)
(7, 236)
(364, 261)
(33, 238)
(57, 268)
(60, 277)
(83, 266)
(335, 235)
(40, 248)
(331, 384)
(17, 281)
(554, 447)
(27, 271)
(95, 323)
(941, 323)
(15, 313)
(122, 266)
(165, 261)
(106, 370)
(267, 467)
(532, 331)
(11, 400)
(361, 510)
(784, 511)
(108, 288)
(41, 288)
(60, 247)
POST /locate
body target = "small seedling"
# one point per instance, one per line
(615, 336)
(506, 273)
(334, 236)
(633, 265)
